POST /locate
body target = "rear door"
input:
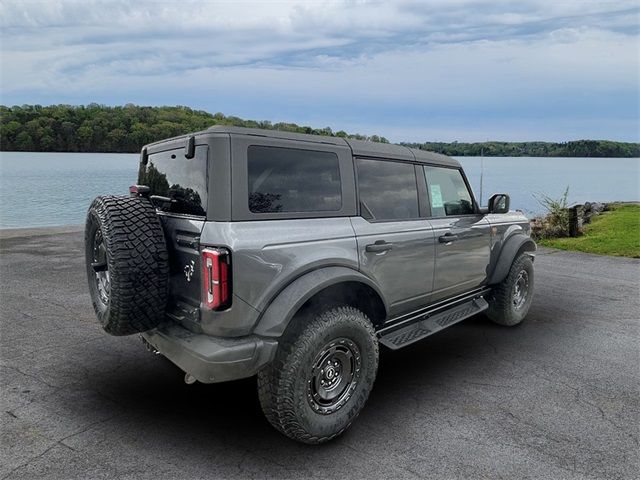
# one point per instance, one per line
(182, 182)
(462, 234)
(395, 245)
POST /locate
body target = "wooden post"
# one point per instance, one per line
(576, 215)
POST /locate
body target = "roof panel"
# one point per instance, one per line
(432, 157)
(303, 137)
(375, 149)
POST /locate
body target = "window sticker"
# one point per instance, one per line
(436, 197)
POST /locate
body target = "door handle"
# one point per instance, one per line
(448, 238)
(379, 247)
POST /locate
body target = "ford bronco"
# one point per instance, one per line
(293, 257)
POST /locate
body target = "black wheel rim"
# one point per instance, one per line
(334, 376)
(100, 268)
(521, 290)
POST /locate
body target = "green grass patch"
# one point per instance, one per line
(616, 232)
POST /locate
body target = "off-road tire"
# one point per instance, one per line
(501, 302)
(137, 262)
(283, 384)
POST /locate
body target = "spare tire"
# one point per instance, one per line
(127, 264)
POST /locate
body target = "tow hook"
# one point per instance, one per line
(189, 379)
(148, 346)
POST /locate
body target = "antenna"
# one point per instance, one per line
(481, 171)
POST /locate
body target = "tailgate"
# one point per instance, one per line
(185, 283)
(178, 187)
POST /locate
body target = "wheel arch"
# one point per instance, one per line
(338, 285)
(512, 248)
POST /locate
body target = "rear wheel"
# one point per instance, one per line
(127, 264)
(511, 299)
(322, 375)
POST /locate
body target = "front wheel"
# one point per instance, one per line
(322, 375)
(511, 299)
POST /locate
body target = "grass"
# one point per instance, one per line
(616, 232)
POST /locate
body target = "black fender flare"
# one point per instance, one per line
(276, 317)
(513, 246)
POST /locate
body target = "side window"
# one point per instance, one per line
(293, 180)
(387, 190)
(448, 194)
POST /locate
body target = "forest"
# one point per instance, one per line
(100, 128)
(576, 148)
(125, 129)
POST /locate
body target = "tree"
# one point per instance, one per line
(24, 142)
(99, 128)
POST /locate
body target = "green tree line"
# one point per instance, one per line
(100, 128)
(576, 148)
(125, 129)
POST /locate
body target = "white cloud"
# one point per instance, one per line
(431, 58)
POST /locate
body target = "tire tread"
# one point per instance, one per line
(500, 309)
(138, 263)
(276, 389)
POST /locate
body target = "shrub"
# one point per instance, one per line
(556, 222)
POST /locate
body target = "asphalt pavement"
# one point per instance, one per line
(557, 397)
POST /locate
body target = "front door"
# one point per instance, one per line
(462, 234)
(395, 245)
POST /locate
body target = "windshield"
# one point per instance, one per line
(181, 180)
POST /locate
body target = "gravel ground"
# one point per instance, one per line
(557, 397)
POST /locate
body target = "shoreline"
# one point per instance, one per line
(38, 231)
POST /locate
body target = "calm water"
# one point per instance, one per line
(524, 178)
(43, 189)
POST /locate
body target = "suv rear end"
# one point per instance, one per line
(189, 184)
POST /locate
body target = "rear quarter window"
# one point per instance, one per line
(292, 180)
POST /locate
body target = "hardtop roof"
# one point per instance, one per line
(360, 148)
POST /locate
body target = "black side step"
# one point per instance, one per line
(430, 324)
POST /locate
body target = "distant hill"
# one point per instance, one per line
(576, 148)
(100, 128)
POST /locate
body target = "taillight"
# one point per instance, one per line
(216, 291)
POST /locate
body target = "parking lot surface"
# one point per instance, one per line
(557, 397)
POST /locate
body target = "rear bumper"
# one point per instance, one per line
(212, 359)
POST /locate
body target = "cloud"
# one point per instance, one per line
(339, 63)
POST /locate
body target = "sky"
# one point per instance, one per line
(441, 70)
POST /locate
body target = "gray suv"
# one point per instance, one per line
(293, 257)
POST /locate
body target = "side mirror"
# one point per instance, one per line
(499, 203)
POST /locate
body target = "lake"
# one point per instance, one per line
(48, 189)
